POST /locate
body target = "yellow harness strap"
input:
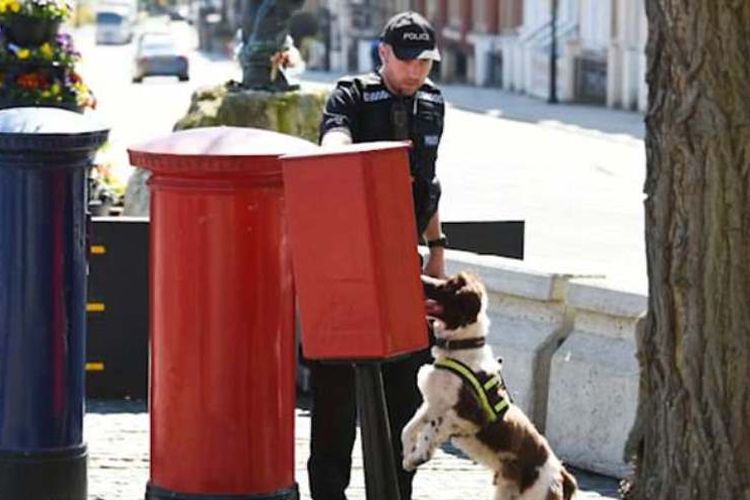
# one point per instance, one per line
(488, 395)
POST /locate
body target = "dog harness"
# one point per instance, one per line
(487, 391)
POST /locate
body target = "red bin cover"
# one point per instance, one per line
(353, 239)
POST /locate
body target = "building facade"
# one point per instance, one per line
(626, 59)
(508, 44)
(600, 52)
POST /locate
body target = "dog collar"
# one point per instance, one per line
(456, 345)
(488, 390)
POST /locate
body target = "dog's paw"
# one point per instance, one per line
(416, 456)
(408, 443)
(411, 462)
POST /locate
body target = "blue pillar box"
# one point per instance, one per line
(44, 156)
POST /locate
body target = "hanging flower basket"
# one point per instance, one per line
(37, 64)
(31, 85)
(30, 31)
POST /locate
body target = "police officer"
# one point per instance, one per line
(396, 103)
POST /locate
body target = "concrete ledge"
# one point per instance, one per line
(507, 276)
(593, 296)
(593, 390)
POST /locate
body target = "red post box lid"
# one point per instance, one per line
(213, 150)
(352, 233)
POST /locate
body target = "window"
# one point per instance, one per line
(481, 16)
(109, 18)
(431, 9)
(454, 13)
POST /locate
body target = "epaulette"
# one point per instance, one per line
(431, 85)
(346, 81)
(371, 80)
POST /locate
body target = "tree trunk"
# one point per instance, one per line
(692, 434)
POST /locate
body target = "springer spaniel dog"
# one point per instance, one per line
(465, 399)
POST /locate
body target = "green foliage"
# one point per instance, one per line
(54, 10)
(37, 63)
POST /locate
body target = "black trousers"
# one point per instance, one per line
(334, 415)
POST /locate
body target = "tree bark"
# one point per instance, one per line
(692, 434)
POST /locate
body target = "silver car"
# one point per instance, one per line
(157, 55)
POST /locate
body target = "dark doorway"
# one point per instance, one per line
(494, 69)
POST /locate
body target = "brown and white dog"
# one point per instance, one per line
(505, 441)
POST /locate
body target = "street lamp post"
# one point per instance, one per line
(553, 54)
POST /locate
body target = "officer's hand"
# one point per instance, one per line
(435, 265)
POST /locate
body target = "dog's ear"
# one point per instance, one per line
(470, 302)
(430, 285)
(469, 294)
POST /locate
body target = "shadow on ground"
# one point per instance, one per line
(605, 486)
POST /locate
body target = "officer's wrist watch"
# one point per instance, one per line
(442, 242)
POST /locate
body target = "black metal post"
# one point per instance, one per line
(381, 482)
(553, 55)
(327, 21)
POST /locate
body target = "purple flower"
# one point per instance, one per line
(65, 41)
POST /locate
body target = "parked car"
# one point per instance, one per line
(157, 54)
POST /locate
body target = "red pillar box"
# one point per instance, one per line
(222, 389)
(354, 247)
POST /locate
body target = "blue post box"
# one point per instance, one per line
(44, 154)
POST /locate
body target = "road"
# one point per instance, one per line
(579, 193)
(579, 190)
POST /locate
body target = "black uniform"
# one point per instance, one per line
(370, 112)
(365, 107)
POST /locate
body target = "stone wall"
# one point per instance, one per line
(593, 383)
(569, 355)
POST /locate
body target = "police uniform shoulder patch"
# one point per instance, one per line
(373, 89)
(375, 95)
(434, 97)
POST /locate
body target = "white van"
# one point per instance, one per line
(114, 24)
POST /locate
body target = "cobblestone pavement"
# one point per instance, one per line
(117, 436)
